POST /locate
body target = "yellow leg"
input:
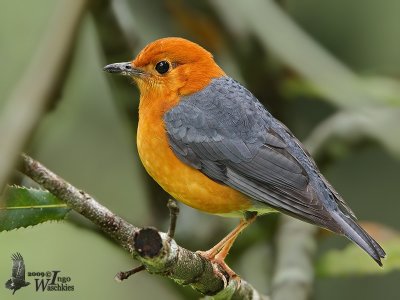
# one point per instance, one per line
(219, 252)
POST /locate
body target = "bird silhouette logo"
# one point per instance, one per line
(17, 279)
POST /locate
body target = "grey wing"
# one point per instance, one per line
(18, 269)
(224, 132)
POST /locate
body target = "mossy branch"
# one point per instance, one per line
(157, 251)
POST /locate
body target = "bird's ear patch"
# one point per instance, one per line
(175, 64)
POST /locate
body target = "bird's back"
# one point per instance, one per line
(227, 134)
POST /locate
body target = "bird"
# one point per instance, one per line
(211, 144)
(17, 279)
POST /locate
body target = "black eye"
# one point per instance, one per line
(162, 67)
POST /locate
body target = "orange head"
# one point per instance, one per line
(170, 67)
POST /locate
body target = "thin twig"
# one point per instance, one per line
(126, 274)
(298, 49)
(173, 216)
(295, 247)
(155, 250)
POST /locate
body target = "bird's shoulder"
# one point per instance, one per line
(227, 134)
(226, 123)
(222, 110)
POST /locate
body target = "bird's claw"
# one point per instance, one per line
(221, 266)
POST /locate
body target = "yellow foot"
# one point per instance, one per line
(215, 259)
(218, 253)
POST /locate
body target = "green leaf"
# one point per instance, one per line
(25, 207)
(351, 261)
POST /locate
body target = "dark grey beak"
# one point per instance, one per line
(124, 68)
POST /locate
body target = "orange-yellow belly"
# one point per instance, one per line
(181, 181)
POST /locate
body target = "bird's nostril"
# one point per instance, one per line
(128, 67)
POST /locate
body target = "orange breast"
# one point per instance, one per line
(181, 181)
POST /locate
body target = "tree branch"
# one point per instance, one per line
(296, 245)
(299, 50)
(295, 249)
(156, 250)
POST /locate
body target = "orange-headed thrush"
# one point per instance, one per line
(212, 145)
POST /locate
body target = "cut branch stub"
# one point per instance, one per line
(147, 242)
(161, 255)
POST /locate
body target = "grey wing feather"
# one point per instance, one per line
(224, 132)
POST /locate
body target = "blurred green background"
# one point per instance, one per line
(88, 134)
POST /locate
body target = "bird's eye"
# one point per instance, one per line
(162, 67)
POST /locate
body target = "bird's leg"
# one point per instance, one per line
(219, 252)
(229, 238)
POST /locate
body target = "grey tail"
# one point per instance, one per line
(358, 235)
